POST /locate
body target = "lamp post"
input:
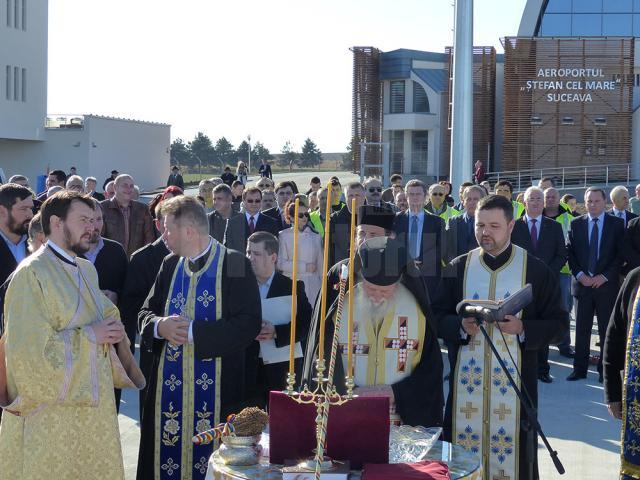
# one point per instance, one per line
(199, 166)
(249, 154)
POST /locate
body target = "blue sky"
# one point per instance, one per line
(278, 70)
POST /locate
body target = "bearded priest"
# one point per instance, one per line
(201, 314)
(395, 348)
(483, 413)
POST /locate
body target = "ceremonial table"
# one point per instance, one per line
(462, 465)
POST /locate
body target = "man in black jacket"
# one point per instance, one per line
(461, 236)
(143, 269)
(340, 223)
(543, 238)
(594, 248)
(284, 193)
(175, 179)
(271, 373)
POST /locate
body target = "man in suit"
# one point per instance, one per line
(16, 211)
(55, 178)
(127, 221)
(620, 199)
(340, 223)
(262, 252)
(142, 272)
(222, 212)
(175, 178)
(461, 237)
(284, 193)
(594, 248)
(240, 227)
(422, 234)
(543, 238)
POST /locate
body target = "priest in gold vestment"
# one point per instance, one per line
(59, 418)
(483, 413)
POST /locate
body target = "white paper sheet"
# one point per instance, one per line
(278, 312)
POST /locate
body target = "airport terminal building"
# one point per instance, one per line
(562, 100)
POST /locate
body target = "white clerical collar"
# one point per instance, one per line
(499, 253)
(204, 252)
(60, 251)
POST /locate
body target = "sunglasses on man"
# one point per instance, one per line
(375, 189)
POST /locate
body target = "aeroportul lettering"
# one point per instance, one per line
(570, 72)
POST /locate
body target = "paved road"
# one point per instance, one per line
(572, 415)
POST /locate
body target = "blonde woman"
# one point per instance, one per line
(309, 249)
(241, 172)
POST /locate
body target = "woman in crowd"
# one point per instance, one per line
(166, 194)
(241, 172)
(447, 192)
(309, 249)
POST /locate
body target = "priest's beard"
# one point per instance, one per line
(374, 311)
(79, 246)
(18, 228)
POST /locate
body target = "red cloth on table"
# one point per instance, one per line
(406, 471)
(358, 431)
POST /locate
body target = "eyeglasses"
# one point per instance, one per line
(438, 194)
(303, 215)
(252, 201)
(375, 189)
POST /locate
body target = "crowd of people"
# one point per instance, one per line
(195, 281)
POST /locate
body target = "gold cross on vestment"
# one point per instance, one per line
(402, 344)
(501, 476)
(635, 383)
(502, 412)
(468, 410)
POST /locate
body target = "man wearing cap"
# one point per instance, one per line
(392, 307)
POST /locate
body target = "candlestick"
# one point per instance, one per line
(352, 257)
(325, 273)
(294, 291)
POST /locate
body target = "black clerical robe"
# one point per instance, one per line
(545, 322)
(418, 397)
(142, 272)
(226, 338)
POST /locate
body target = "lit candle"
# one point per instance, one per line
(325, 273)
(294, 290)
(352, 261)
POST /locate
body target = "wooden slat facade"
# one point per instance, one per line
(484, 96)
(542, 134)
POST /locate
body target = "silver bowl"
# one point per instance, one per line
(240, 451)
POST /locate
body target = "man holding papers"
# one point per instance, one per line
(268, 356)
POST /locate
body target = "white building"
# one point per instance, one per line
(31, 143)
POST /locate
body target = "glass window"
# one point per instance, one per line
(16, 12)
(397, 150)
(587, 25)
(9, 13)
(24, 14)
(24, 84)
(556, 25)
(617, 24)
(7, 82)
(558, 6)
(420, 100)
(587, 6)
(636, 6)
(420, 151)
(397, 97)
(617, 6)
(16, 82)
(636, 25)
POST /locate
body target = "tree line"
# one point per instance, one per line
(201, 151)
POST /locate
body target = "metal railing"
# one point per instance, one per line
(567, 177)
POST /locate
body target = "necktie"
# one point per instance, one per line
(252, 225)
(593, 247)
(621, 215)
(534, 234)
(413, 237)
